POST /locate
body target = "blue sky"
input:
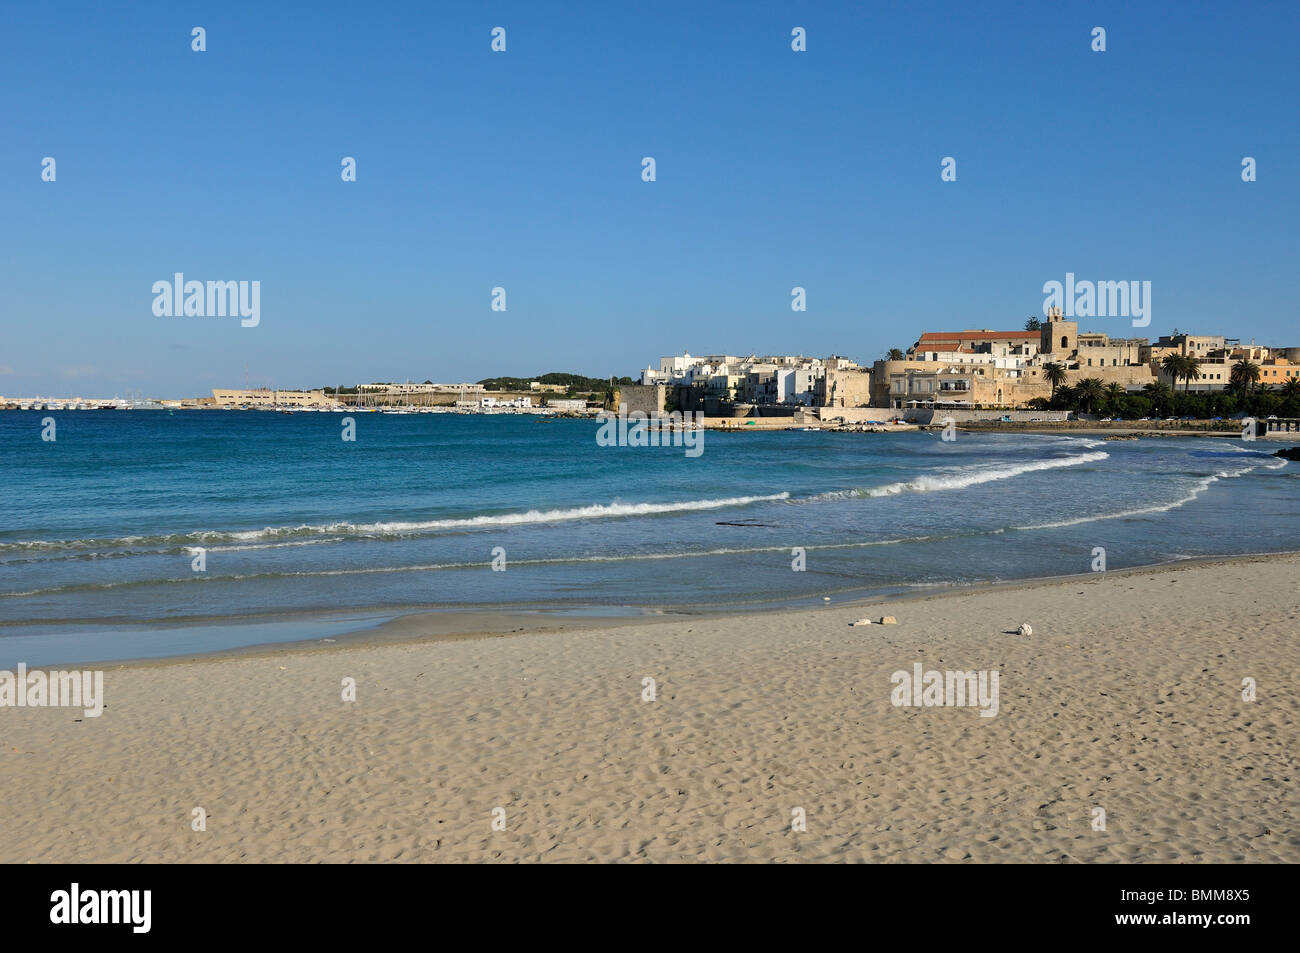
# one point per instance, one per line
(523, 170)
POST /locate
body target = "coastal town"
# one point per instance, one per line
(1046, 370)
(1049, 370)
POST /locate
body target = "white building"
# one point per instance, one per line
(784, 379)
(515, 403)
(797, 385)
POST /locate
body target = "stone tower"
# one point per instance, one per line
(1059, 338)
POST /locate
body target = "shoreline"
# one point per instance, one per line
(1127, 698)
(393, 626)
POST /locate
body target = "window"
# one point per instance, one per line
(1065, 341)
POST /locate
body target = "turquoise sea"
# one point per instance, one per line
(100, 528)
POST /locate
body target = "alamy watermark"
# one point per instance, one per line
(126, 907)
(933, 689)
(639, 429)
(213, 299)
(1100, 299)
(56, 689)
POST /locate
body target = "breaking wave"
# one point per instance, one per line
(961, 479)
(397, 528)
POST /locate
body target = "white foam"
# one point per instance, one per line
(1197, 489)
(961, 479)
(594, 511)
(408, 527)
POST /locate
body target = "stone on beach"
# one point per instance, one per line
(888, 620)
(861, 622)
(1025, 629)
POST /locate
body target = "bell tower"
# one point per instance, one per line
(1058, 337)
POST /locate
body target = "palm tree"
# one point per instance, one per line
(1181, 365)
(1161, 396)
(1290, 388)
(1088, 392)
(1033, 324)
(1114, 394)
(1055, 375)
(1244, 376)
(1172, 364)
(894, 354)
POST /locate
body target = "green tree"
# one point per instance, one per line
(1089, 392)
(1114, 397)
(1172, 364)
(894, 354)
(1033, 324)
(1055, 375)
(1244, 376)
(1161, 396)
(1181, 365)
(1134, 406)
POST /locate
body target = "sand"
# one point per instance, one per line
(1127, 697)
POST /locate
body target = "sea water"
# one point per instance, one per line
(101, 530)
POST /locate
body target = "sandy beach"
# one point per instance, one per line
(1127, 697)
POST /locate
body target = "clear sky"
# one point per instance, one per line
(522, 169)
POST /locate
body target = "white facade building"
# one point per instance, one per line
(516, 403)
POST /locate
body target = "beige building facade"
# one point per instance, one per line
(848, 387)
(264, 397)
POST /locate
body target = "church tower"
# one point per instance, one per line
(1058, 337)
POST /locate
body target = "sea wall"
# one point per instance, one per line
(925, 415)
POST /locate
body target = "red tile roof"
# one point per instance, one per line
(977, 336)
